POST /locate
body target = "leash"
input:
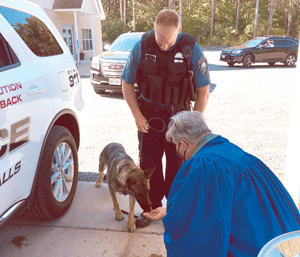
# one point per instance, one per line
(125, 212)
(157, 130)
(142, 134)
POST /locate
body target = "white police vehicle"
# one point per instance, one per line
(40, 96)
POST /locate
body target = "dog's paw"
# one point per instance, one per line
(131, 227)
(119, 217)
(98, 184)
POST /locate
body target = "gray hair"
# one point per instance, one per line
(189, 125)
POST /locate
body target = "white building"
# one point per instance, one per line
(79, 22)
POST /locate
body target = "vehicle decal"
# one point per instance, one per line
(7, 175)
(74, 77)
(10, 88)
(9, 101)
(18, 136)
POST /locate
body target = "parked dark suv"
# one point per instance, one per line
(270, 49)
(107, 68)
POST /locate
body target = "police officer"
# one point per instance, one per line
(170, 70)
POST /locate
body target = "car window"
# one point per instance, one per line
(33, 31)
(125, 42)
(284, 42)
(8, 58)
(281, 43)
(253, 42)
(291, 42)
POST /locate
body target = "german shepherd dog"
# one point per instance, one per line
(123, 176)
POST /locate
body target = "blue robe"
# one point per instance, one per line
(226, 202)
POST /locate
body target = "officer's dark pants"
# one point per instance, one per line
(152, 146)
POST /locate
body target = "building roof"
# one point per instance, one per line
(93, 7)
(67, 4)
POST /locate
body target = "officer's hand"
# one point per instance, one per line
(142, 124)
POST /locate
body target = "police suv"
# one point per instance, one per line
(40, 97)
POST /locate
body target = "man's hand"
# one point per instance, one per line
(156, 214)
(141, 123)
(131, 99)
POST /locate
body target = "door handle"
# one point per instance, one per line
(35, 89)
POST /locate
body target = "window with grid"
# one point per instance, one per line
(87, 39)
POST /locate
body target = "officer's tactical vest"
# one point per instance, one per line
(163, 76)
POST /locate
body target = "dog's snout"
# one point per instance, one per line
(144, 201)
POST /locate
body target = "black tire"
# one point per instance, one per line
(271, 63)
(247, 61)
(230, 64)
(45, 204)
(290, 60)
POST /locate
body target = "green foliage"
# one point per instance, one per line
(38, 37)
(112, 27)
(225, 32)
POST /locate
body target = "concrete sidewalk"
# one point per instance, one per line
(87, 229)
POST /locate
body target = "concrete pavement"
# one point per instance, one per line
(87, 229)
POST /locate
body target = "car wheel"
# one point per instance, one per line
(271, 63)
(57, 175)
(248, 60)
(230, 64)
(290, 60)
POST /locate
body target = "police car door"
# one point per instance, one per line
(25, 107)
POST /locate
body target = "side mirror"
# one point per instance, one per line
(282, 246)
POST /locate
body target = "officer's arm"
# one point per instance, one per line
(131, 99)
(201, 98)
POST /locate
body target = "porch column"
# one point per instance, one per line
(93, 38)
(76, 36)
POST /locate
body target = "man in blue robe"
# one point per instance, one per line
(223, 201)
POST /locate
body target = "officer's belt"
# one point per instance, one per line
(174, 108)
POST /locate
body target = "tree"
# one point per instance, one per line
(121, 10)
(133, 15)
(290, 16)
(125, 13)
(238, 6)
(171, 4)
(213, 11)
(256, 18)
(199, 20)
(272, 9)
(180, 11)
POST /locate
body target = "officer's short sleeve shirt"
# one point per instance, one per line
(199, 65)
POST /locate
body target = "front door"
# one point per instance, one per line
(68, 37)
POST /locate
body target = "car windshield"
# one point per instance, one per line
(253, 42)
(125, 42)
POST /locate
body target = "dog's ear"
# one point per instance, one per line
(149, 172)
